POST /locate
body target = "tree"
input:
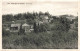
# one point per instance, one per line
(65, 23)
(62, 24)
(41, 13)
(7, 18)
(21, 31)
(47, 13)
(35, 27)
(19, 17)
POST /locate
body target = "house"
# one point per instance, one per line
(45, 18)
(15, 27)
(26, 27)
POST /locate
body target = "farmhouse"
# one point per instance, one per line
(27, 27)
(44, 18)
(15, 27)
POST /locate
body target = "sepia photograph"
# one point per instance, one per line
(40, 25)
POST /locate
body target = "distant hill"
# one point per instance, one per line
(70, 17)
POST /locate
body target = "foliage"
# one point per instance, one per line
(21, 31)
(65, 23)
(56, 34)
(41, 27)
(7, 18)
(5, 33)
(54, 39)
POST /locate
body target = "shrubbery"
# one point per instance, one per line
(5, 33)
(54, 39)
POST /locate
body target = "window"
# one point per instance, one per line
(15, 28)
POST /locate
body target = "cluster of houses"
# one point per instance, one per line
(15, 26)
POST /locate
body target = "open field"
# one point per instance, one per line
(52, 40)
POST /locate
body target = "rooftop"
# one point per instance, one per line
(15, 25)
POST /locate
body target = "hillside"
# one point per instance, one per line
(46, 31)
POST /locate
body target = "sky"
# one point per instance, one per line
(54, 8)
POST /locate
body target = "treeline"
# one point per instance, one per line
(29, 16)
(22, 16)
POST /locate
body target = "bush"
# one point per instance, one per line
(41, 27)
(5, 33)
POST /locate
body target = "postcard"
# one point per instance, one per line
(40, 25)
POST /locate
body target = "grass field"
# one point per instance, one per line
(44, 40)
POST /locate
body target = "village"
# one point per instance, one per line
(14, 26)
